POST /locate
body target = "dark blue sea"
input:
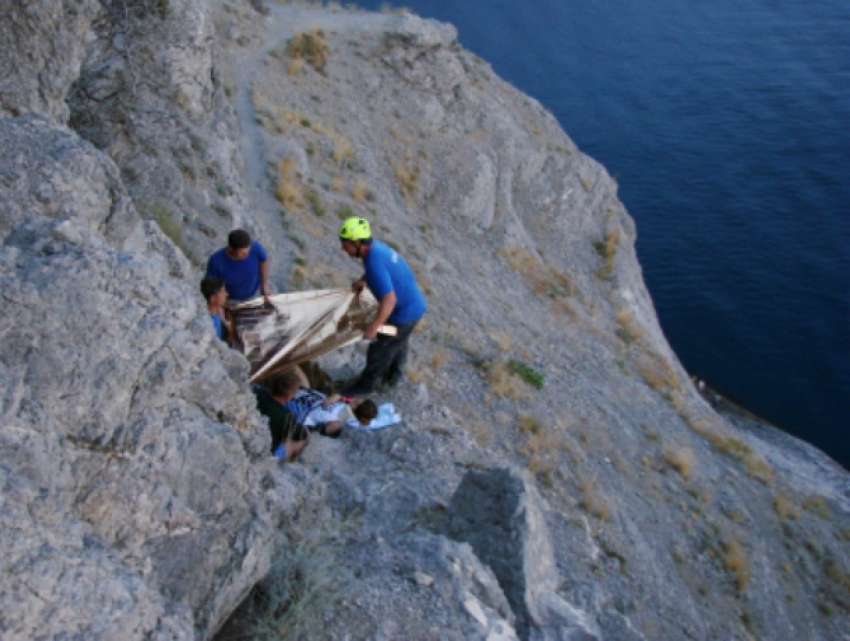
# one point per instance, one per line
(726, 124)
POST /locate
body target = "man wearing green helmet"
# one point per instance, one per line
(400, 304)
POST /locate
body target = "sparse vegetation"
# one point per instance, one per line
(816, 505)
(651, 434)
(735, 561)
(607, 250)
(168, 222)
(408, 179)
(288, 188)
(298, 277)
(592, 502)
(313, 198)
(302, 583)
(546, 281)
(682, 460)
(502, 340)
(438, 358)
(309, 47)
(529, 424)
(361, 191)
(527, 373)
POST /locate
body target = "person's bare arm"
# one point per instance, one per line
(385, 308)
(264, 279)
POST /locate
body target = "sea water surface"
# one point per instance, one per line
(727, 126)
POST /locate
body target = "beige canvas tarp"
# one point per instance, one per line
(299, 326)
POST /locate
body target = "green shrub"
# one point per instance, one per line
(526, 373)
(168, 222)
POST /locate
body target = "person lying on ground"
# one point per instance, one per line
(364, 409)
(215, 294)
(315, 411)
(243, 265)
(400, 304)
(288, 436)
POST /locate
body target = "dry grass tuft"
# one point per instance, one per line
(408, 180)
(593, 502)
(735, 561)
(786, 507)
(546, 281)
(439, 358)
(294, 66)
(343, 151)
(657, 372)
(502, 340)
(361, 190)
(522, 261)
(413, 371)
(288, 189)
(682, 460)
(542, 450)
(502, 382)
(305, 579)
(736, 449)
(529, 424)
(607, 250)
(630, 330)
(479, 430)
(816, 505)
(651, 434)
(757, 468)
(309, 47)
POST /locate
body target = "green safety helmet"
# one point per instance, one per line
(355, 229)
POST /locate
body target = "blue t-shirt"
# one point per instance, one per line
(216, 321)
(241, 277)
(386, 271)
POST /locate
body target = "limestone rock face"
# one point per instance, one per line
(43, 47)
(132, 456)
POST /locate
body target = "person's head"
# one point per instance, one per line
(366, 411)
(284, 386)
(214, 291)
(238, 244)
(355, 235)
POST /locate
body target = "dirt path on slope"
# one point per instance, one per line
(244, 64)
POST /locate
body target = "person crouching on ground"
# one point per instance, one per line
(288, 437)
(400, 304)
(215, 293)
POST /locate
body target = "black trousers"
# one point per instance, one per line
(386, 357)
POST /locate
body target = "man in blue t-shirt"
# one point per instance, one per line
(243, 265)
(400, 304)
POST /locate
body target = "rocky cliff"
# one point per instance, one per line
(557, 475)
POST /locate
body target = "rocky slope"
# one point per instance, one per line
(557, 476)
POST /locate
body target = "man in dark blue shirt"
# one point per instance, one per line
(243, 265)
(400, 305)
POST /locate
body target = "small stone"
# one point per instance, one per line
(423, 579)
